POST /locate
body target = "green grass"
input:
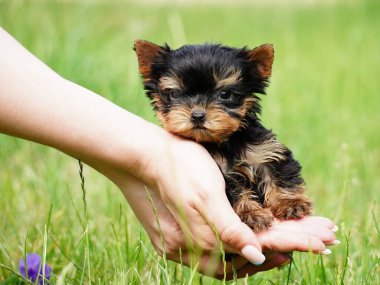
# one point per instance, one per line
(323, 104)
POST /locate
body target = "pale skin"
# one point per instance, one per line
(182, 179)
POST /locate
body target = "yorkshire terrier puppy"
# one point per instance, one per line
(208, 93)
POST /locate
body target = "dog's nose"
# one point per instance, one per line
(198, 116)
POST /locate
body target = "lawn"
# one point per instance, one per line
(322, 103)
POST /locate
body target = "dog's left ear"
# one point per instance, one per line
(147, 54)
(261, 58)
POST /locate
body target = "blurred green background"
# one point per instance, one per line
(323, 103)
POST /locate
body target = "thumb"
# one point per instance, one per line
(232, 231)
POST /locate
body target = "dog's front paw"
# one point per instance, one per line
(258, 220)
(291, 207)
(253, 214)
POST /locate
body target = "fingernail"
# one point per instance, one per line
(335, 229)
(253, 255)
(335, 242)
(326, 251)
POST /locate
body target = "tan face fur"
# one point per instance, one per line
(218, 124)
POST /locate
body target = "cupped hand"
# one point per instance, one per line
(308, 234)
(191, 205)
(192, 187)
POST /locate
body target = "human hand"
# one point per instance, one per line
(192, 188)
(310, 233)
(190, 230)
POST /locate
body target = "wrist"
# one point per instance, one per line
(148, 161)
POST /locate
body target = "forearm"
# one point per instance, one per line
(37, 104)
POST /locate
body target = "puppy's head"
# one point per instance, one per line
(204, 92)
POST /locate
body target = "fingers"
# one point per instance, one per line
(308, 234)
(213, 265)
(326, 235)
(316, 220)
(233, 233)
(276, 260)
(207, 197)
(320, 227)
(210, 265)
(284, 241)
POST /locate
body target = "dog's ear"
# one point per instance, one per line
(261, 58)
(147, 53)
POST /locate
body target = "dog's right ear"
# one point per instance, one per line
(261, 58)
(147, 53)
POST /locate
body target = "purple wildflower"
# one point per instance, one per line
(34, 267)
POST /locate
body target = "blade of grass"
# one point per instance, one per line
(345, 265)
(161, 235)
(64, 271)
(193, 272)
(376, 224)
(220, 243)
(84, 194)
(289, 268)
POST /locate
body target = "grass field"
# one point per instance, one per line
(323, 103)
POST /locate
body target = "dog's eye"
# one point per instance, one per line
(225, 95)
(174, 94)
